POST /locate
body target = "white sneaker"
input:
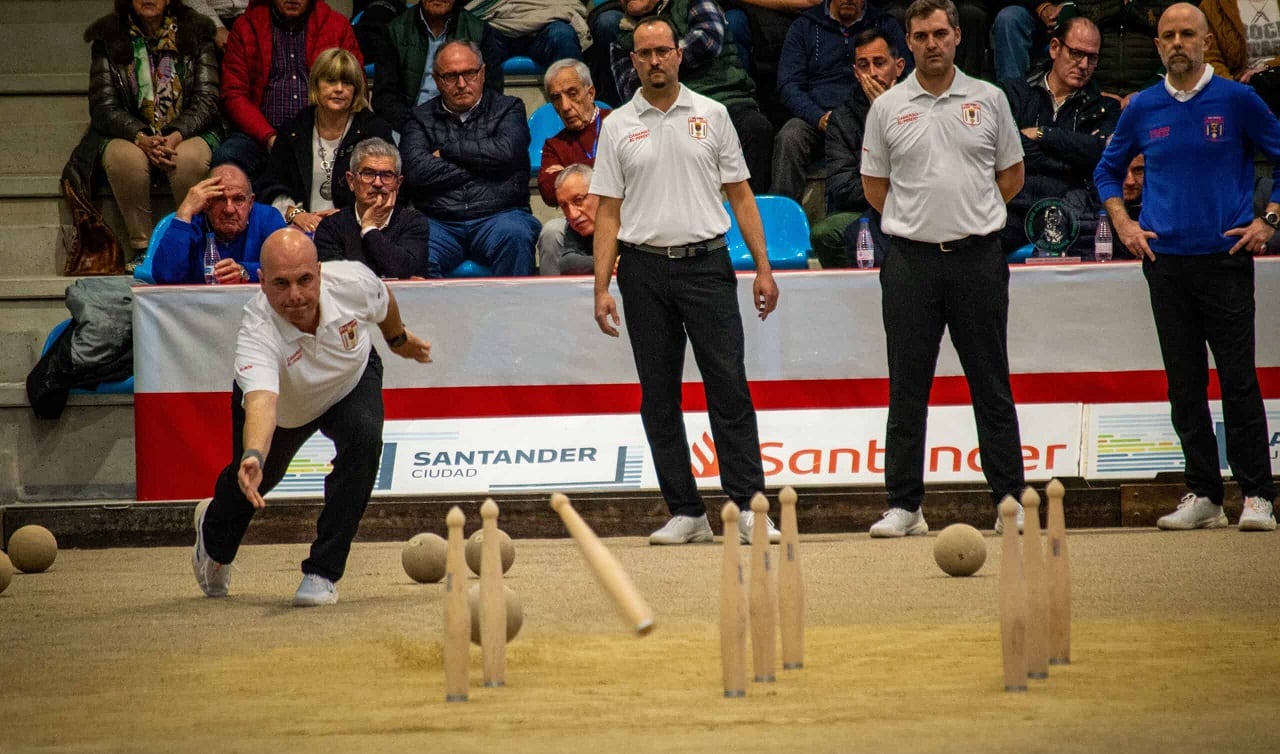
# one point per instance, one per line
(1022, 520)
(1194, 513)
(1257, 515)
(683, 530)
(213, 577)
(745, 528)
(899, 522)
(315, 591)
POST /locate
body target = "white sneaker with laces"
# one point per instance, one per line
(683, 530)
(899, 522)
(1022, 520)
(315, 591)
(1258, 515)
(745, 522)
(1194, 512)
(213, 577)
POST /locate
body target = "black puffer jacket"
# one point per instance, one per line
(845, 129)
(290, 165)
(1128, 60)
(483, 165)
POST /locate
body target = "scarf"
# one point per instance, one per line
(155, 68)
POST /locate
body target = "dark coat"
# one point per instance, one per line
(845, 130)
(483, 165)
(289, 167)
(397, 251)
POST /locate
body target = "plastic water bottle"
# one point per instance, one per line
(866, 254)
(1102, 239)
(211, 259)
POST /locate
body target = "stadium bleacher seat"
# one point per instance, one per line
(786, 235)
(142, 272)
(543, 124)
(470, 269)
(521, 66)
(124, 386)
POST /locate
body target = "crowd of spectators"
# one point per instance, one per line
(277, 90)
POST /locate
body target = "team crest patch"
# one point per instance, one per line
(698, 127)
(971, 113)
(350, 334)
(1213, 127)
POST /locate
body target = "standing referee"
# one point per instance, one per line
(941, 158)
(668, 152)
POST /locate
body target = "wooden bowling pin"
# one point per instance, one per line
(1037, 589)
(1059, 578)
(493, 603)
(764, 595)
(790, 585)
(733, 609)
(1013, 601)
(457, 615)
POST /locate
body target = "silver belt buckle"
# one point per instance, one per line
(671, 253)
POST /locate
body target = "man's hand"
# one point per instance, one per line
(1248, 73)
(307, 221)
(271, 142)
(822, 122)
(870, 86)
(1048, 14)
(1134, 237)
(249, 478)
(220, 38)
(764, 293)
(1031, 133)
(548, 169)
(379, 212)
(413, 348)
(607, 314)
(1253, 237)
(199, 197)
(228, 272)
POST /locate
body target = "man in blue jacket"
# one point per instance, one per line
(1196, 239)
(815, 76)
(466, 167)
(221, 205)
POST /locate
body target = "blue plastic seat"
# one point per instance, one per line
(123, 387)
(544, 123)
(1020, 255)
(470, 269)
(143, 272)
(786, 235)
(521, 66)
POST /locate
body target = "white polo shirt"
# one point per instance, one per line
(668, 168)
(310, 373)
(941, 155)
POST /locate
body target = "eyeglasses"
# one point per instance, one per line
(453, 78)
(655, 54)
(1090, 58)
(369, 176)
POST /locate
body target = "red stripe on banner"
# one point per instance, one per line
(187, 442)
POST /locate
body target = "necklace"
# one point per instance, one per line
(327, 160)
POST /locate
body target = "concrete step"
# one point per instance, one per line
(45, 83)
(21, 154)
(77, 13)
(49, 47)
(87, 454)
(24, 109)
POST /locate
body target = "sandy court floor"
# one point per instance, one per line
(1175, 648)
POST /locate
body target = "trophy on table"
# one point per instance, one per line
(1052, 228)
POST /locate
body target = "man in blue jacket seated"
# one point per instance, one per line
(466, 167)
(223, 205)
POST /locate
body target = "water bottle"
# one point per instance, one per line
(211, 259)
(1102, 239)
(866, 255)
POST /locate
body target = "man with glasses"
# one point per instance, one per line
(390, 240)
(466, 167)
(1065, 122)
(664, 158)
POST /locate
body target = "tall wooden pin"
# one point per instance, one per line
(1059, 578)
(1013, 601)
(493, 603)
(764, 595)
(733, 609)
(790, 585)
(457, 616)
(1037, 589)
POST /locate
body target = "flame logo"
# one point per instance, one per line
(706, 463)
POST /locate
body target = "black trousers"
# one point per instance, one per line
(1208, 300)
(354, 424)
(966, 291)
(666, 302)
(755, 133)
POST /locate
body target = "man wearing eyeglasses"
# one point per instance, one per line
(1065, 121)
(466, 167)
(390, 240)
(664, 158)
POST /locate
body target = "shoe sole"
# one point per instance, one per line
(914, 531)
(1218, 523)
(1255, 525)
(198, 521)
(297, 602)
(696, 539)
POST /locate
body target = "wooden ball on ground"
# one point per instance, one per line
(960, 550)
(32, 549)
(423, 557)
(6, 572)
(515, 612)
(474, 544)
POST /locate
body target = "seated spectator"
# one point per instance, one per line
(1241, 52)
(391, 240)
(1018, 29)
(1131, 192)
(223, 14)
(466, 165)
(221, 207)
(878, 65)
(153, 106)
(303, 178)
(815, 75)
(572, 93)
(573, 194)
(710, 67)
(1065, 122)
(759, 29)
(371, 30)
(1128, 61)
(264, 72)
(403, 78)
(543, 30)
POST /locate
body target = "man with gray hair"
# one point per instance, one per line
(572, 93)
(573, 194)
(390, 240)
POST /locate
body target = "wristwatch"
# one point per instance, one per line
(1272, 219)
(1039, 133)
(398, 340)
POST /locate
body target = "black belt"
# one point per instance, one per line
(958, 244)
(678, 252)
